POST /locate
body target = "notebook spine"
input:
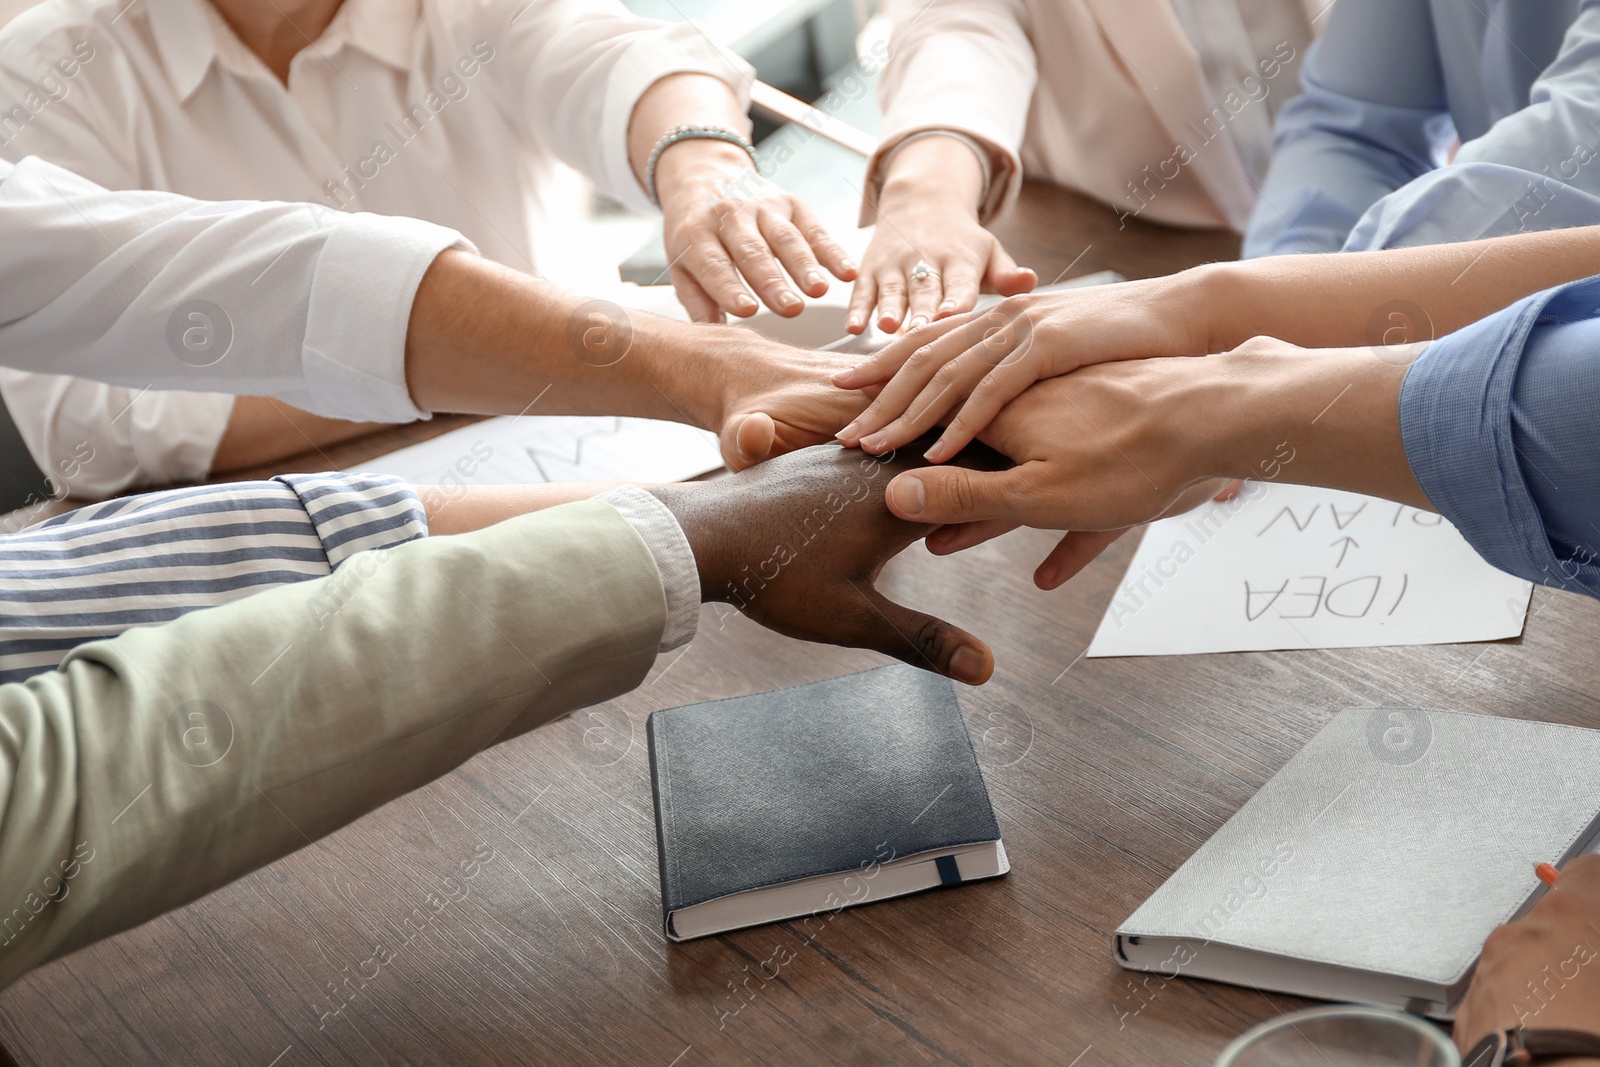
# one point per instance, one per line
(661, 786)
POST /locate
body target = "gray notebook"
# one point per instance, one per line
(1372, 867)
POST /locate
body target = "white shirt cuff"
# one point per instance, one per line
(366, 279)
(680, 575)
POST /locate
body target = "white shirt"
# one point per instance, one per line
(307, 305)
(451, 110)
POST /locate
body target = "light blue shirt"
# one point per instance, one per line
(1499, 426)
(1389, 87)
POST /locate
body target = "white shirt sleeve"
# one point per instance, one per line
(578, 69)
(154, 291)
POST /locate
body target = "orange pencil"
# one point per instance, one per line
(1547, 874)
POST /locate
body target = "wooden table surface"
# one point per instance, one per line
(1105, 775)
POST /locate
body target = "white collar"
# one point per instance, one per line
(190, 35)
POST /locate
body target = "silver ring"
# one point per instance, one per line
(921, 272)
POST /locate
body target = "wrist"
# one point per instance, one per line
(698, 368)
(1324, 417)
(700, 509)
(939, 172)
(1203, 302)
(700, 169)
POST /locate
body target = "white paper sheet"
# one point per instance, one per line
(559, 448)
(1286, 566)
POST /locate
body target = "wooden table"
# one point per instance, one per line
(1105, 774)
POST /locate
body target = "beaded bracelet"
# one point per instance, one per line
(692, 133)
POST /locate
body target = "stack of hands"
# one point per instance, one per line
(1105, 417)
(1099, 421)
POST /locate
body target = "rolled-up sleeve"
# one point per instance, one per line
(153, 291)
(1498, 425)
(680, 575)
(139, 561)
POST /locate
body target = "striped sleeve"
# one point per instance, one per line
(148, 559)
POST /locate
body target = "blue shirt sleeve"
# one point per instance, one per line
(1355, 164)
(1499, 427)
(1536, 168)
(1361, 129)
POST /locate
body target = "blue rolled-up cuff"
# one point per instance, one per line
(1457, 425)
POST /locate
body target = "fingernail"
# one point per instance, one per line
(786, 299)
(847, 265)
(935, 454)
(919, 322)
(1047, 577)
(814, 279)
(910, 497)
(967, 665)
(849, 432)
(948, 305)
(746, 303)
(874, 443)
(853, 324)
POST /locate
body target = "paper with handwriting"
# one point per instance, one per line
(1288, 566)
(558, 448)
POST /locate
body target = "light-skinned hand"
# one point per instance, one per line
(963, 370)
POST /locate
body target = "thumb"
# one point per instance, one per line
(748, 440)
(946, 495)
(1005, 277)
(915, 638)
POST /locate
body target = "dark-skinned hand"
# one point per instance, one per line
(797, 544)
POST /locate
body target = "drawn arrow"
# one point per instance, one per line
(1348, 543)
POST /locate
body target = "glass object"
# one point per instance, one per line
(1342, 1036)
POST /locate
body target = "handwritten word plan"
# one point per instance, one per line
(1286, 566)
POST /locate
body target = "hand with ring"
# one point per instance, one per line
(929, 256)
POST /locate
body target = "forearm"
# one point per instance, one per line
(1327, 418)
(262, 430)
(937, 52)
(462, 509)
(149, 559)
(488, 340)
(1369, 298)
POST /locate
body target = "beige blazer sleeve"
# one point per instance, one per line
(160, 765)
(965, 65)
(1105, 97)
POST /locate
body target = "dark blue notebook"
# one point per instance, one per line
(807, 800)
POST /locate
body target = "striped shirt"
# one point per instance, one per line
(141, 560)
